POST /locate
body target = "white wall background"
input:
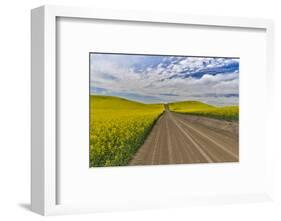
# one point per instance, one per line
(15, 107)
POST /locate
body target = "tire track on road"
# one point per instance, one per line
(209, 138)
(175, 139)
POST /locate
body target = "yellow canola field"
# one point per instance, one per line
(230, 113)
(118, 127)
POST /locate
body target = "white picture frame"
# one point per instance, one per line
(44, 103)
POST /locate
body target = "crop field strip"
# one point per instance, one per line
(230, 113)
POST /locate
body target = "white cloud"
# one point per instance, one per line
(119, 77)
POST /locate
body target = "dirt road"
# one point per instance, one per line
(178, 139)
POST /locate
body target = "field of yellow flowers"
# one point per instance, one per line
(230, 113)
(118, 127)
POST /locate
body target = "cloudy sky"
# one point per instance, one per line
(161, 79)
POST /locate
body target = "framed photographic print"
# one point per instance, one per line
(139, 110)
(162, 109)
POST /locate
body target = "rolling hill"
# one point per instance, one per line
(230, 113)
(118, 127)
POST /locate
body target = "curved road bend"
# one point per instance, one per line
(181, 139)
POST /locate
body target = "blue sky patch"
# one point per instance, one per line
(157, 78)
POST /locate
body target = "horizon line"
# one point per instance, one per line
(101, 95)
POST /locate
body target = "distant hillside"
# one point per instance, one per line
(188, 105)
(230, 113)
(111, 102)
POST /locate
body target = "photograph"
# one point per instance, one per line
(148, 109)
